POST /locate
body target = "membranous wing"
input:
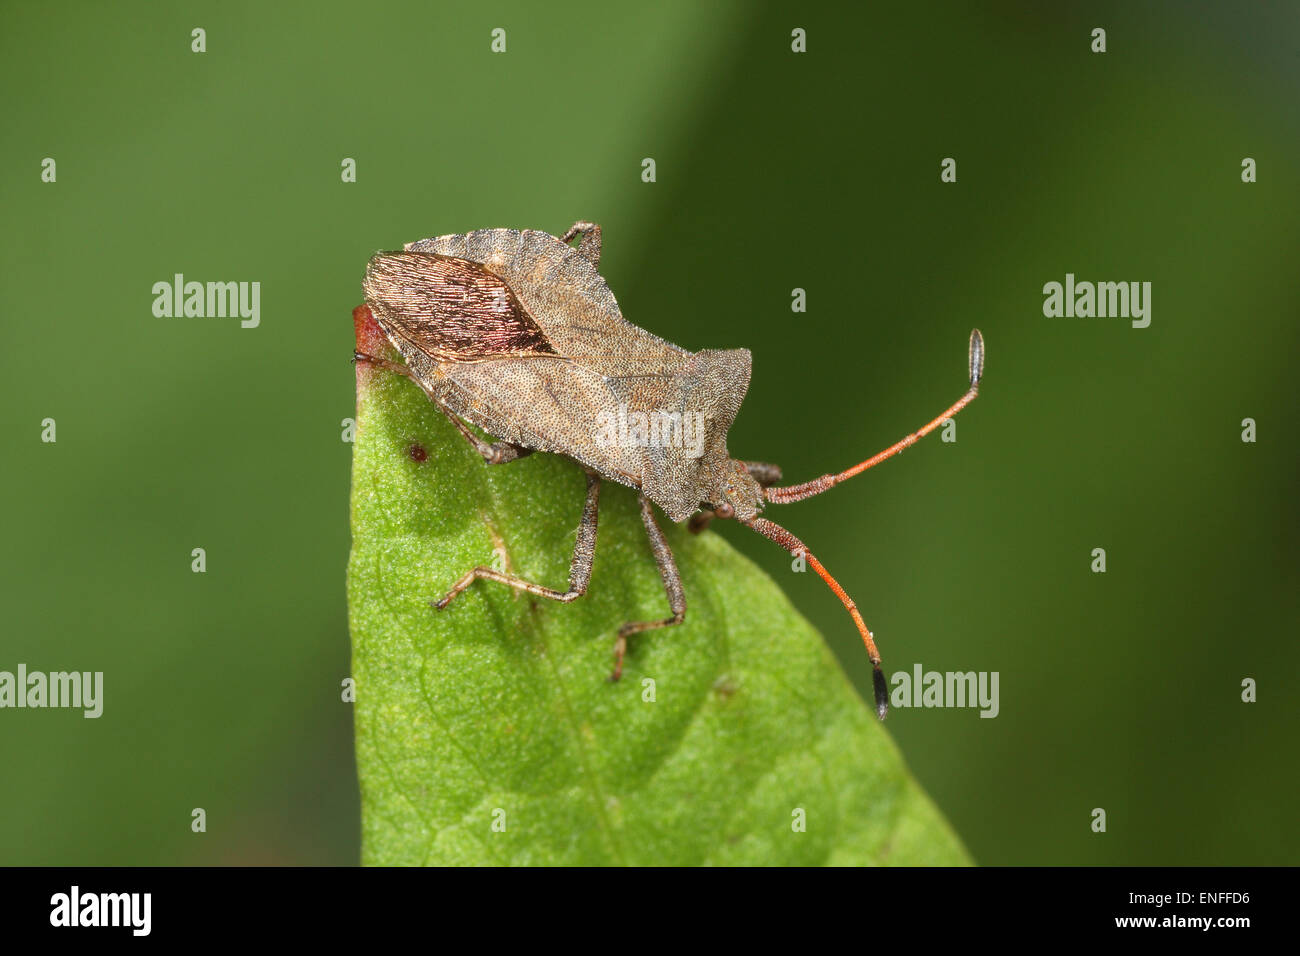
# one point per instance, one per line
(565, 296)
(450, 308)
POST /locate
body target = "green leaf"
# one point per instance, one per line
(497, 710)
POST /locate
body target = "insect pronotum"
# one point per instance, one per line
(516, 332)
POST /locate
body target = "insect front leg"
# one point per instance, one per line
(494, 453)
(589, 246)
(700, 520)
(397, 368)
(584, 553)
(672, 587)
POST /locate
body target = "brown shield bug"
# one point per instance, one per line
(516, 332)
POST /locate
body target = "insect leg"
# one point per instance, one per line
(397, 368)
(672, 587)
(589, 246)
(700, 520)
(584, 553)
(494, 453)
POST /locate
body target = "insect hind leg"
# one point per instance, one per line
(584, 553)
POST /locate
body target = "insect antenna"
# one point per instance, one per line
(791, 493)
(785, 539)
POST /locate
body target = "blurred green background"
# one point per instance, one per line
(775, 170)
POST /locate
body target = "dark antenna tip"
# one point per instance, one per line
(881, 688)
(976, 356)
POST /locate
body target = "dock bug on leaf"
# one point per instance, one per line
(516, 332)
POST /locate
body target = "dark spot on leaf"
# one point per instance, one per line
(417, 452)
